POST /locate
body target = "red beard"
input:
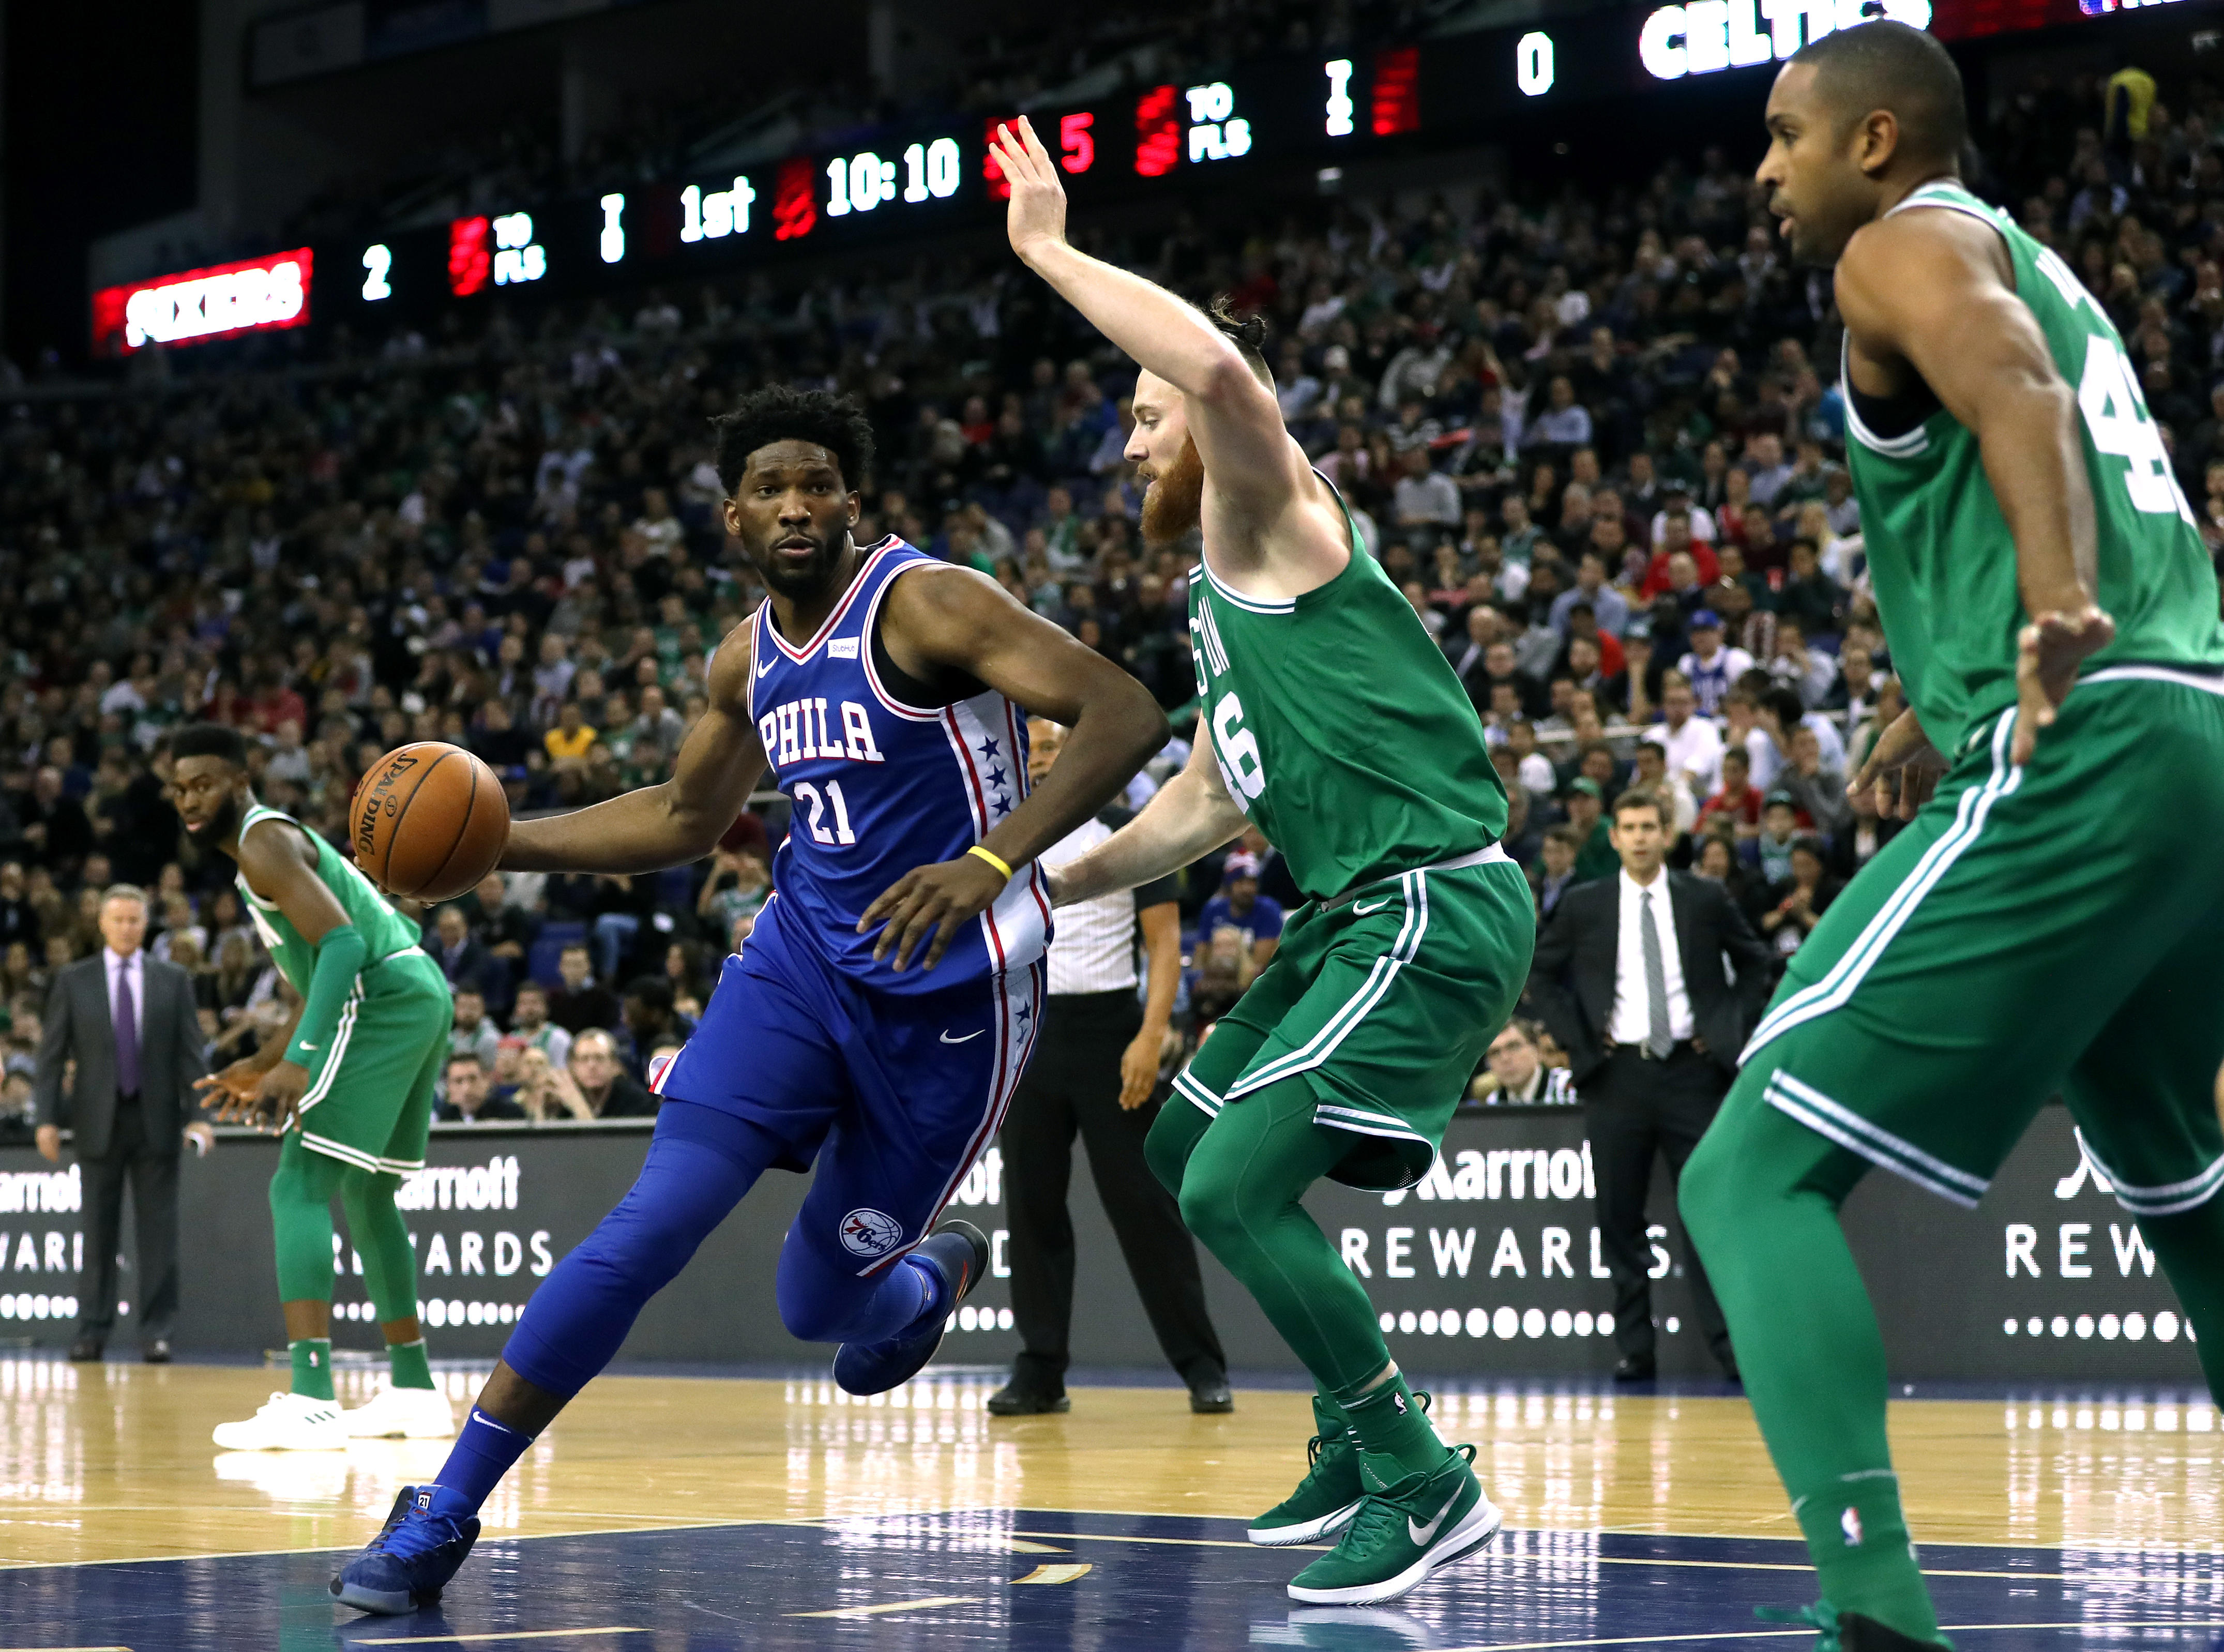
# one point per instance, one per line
(1172, 505)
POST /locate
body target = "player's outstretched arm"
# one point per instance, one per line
(1933, 289)
(681, 820)
(940, 621)
(1248, 456)
(1190, 815)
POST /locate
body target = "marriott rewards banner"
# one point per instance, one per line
(1492, 1264)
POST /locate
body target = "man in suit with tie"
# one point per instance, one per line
(129, 1022)
(1629, 976)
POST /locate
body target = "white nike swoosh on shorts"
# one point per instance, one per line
(1362, 911)
(967, 1039)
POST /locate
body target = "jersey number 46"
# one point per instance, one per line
(1237, 748)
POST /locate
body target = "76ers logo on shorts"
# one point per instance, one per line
(870, 1232)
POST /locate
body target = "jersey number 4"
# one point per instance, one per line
(2115, 413)
(2116, 416)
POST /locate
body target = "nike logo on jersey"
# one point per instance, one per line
(1362, 911)
(967, 1039)
(764, 665)
(1423, 1536)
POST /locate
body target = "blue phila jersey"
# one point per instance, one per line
(880, 787)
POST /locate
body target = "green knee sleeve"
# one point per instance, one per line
(1174, 1135)
(1240, 1195)
(301, 1221)
(382, 1239)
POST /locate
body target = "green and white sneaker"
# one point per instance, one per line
(1328, 1497)
(1403, 1533)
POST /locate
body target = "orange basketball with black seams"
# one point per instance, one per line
(429, 821)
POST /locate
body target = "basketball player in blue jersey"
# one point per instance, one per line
(880, 1015)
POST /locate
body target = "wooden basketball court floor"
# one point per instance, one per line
(666, 1513)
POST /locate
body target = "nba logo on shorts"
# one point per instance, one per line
(870, 1232)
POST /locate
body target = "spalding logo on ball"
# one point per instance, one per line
(430, 821)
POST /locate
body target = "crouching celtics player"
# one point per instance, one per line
(2049, 921)
(1331, 721)
(349, 1084)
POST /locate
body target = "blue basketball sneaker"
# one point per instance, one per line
(958, 1254)
(411, 1559)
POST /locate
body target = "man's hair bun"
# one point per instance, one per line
(1248, 332)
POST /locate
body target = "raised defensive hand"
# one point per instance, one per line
(2049, 651)
(237, 1085)
(1038, 206)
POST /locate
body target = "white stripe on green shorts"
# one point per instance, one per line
(345, 1030)
(2173, 1198)
(1873, 1142)
(1835, 987)
(1414, 886)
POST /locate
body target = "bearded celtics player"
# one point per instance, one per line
(2049, 921)
(1331, 720)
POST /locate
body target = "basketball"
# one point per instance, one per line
(430, 821)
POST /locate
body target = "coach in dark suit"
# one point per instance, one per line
(1630, 977)
(128, 1021)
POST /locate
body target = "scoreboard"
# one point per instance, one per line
(1278, 113)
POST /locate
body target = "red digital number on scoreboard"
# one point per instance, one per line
(1077, 142)
(992, 171)
(1158, 132)
(470, 262)
(1397, 104)
(794, 200)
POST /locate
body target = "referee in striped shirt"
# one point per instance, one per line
(1093, 1071)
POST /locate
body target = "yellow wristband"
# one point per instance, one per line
(993, 859)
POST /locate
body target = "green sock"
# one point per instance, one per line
(1329, 1420)
(313, 1366)
(1395, 1438)
(1863, 1558)
(410, 1367)
(1760, 1199)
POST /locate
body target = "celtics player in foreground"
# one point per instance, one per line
(349, 1085)
(2050, 920)
(1331, 720)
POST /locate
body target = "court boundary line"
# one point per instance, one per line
(2214, 1552)
(1718, 1636)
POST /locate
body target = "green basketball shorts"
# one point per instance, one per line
(369, 1100)
(1384, 1004)
(2055, 928)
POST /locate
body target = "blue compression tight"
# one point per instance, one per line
(700, 1163)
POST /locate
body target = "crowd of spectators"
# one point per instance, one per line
(1596, 440)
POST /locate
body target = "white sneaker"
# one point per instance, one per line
(402, 1413)
(287, 1422)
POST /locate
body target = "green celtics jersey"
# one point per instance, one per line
(384, 931)
(1340, 728)
(1940, 555)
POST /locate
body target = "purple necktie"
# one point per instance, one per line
(127, 1035)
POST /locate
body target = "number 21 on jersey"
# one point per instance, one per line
(808, 794)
